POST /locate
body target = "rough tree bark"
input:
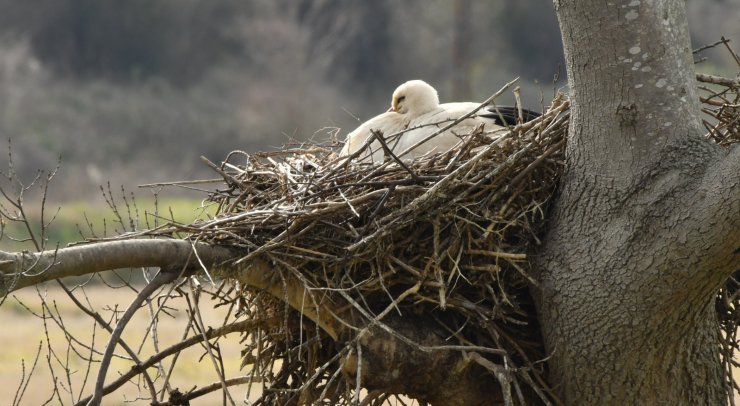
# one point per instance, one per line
(645, 229)
(646, 226)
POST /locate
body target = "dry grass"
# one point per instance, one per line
(446, 236)
(22, 334)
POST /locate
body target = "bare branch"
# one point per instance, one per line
(718, 80)
(177, 398)
(174, 349)
(22, 269)
(26, 269)
(201, 326)
(162, 278)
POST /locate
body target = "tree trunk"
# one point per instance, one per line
(645, 227)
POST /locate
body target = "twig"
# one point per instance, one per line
(718, 80)
(460, 119)
(378, 136)
(161, 279)
(194, 394)
(199, 321)
(712, 45)
(172, 350)
(99, 319)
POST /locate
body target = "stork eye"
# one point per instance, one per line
(400, 99)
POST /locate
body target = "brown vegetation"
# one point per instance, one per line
(447, 236)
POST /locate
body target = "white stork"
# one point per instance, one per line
(415, 105)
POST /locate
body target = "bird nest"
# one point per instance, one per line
(445, 238)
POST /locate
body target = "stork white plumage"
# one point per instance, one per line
(386, 124)
(415, 105)
(420, 100)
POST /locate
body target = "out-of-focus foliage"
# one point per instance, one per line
(532, 52)
(134, 91)
(133, 39)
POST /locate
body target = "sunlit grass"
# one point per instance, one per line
(194, 368)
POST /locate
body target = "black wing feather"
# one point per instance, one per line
(509, 115)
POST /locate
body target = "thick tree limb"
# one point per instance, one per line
(438, 377)
(313, 305)
(22, 269)
(633, 98)
(644, 229)
(718, 213)
(381, 349)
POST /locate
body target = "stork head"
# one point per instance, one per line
(414, 97)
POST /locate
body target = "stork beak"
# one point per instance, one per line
(391, 109)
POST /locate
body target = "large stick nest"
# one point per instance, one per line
(444, 238)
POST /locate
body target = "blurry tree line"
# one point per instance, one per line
(180, 40)
(133, 91)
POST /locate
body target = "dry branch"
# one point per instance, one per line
(350, 245)
(22, 269)
(335, 262)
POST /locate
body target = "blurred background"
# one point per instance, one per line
(134, 91)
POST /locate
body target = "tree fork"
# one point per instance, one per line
(645, 227)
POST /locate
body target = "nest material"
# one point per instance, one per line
(721, 107)
(445, 237)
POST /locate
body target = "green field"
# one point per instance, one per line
(75, 221)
